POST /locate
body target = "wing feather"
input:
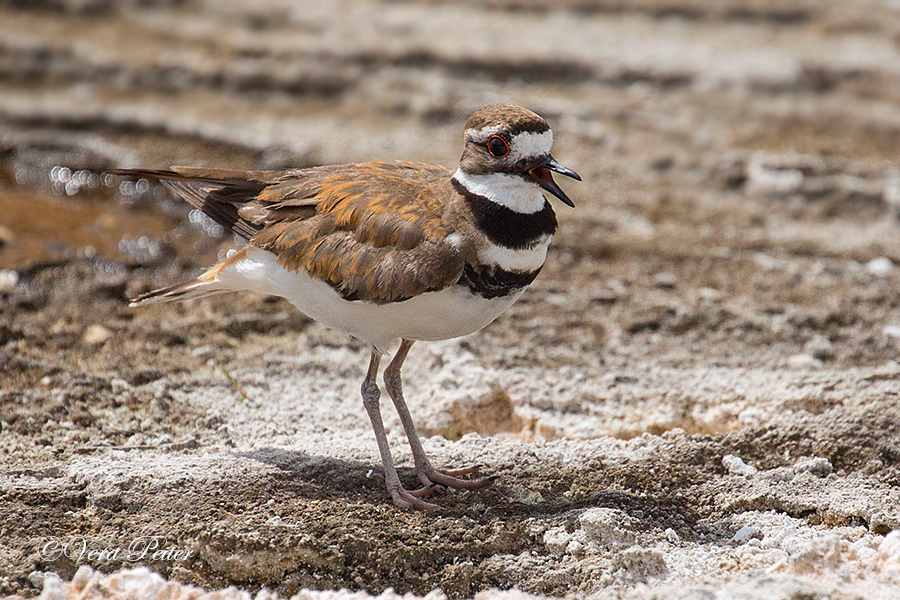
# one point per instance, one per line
(374, 231)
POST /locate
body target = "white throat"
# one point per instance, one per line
(511, 191)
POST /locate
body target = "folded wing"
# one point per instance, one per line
(375, 232)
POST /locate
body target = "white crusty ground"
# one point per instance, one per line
(770, 555)
(823, 565)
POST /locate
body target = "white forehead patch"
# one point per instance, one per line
(526, 144)
(480, 136)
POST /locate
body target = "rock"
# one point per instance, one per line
(6, 235)
(96, 334)
(889, 549)
(745, 533)
(781, 474)
(820, 554)
(605, 296)
(773, 175)
(736, 466)
(804, 361)
(53, 588)
(37, 578)
(8, 281)
(640, 564)
(666, 281)
(710, 294)
(575, 548)
(607, 527)
(820, 348)
(112, 285)
(891, 331)
(880, 267)
(820, 467)
(525, 496)
(557, 540)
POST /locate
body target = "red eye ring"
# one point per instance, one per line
(497, 146)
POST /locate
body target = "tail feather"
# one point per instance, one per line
(181, 291)
(218, 193)
(208, 284)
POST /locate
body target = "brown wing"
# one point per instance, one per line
(378, 232)
(373, 231)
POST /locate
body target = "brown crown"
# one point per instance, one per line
(515, 119)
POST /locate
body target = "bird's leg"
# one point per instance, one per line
(428, 475)
(371, 395)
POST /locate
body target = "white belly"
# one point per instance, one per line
(441, 315)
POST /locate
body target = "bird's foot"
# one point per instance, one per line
(437, 481)
(412, 500)
(434, 479)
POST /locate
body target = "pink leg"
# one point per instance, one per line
(428, 475)
(371, 395)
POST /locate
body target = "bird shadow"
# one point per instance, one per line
(318, 477)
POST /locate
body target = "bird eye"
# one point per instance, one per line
(497, 146)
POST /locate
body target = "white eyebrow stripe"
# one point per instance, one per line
(526, 144)
(480, 136)
(529, 144)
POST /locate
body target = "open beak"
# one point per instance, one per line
(542, 176)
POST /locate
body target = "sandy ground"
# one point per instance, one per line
(697, 398)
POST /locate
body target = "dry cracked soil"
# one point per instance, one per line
(697, 398)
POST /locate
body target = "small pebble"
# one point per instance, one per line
(37, 578)
(890, 546)
(745, 533)
(6, 235)
(119, 385)
(96, 334)
(710, 294)
(557, 299)
(820, 347)
(575, 548)
(666, 281)
(736, 466)
(880, 267)
(8, 281)
(820, 467)
(605, 296)
(206, 351)
(804, 361)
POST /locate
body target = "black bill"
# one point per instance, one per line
(541, 174)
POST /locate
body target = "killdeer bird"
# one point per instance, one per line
(389, 252)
